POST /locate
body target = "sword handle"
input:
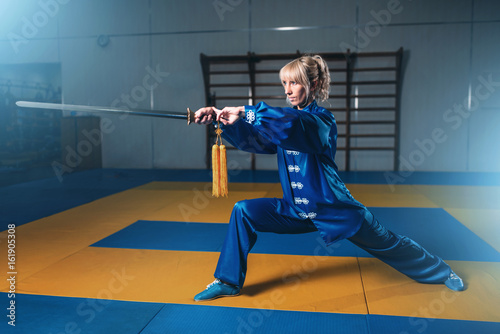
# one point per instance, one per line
(190, 116)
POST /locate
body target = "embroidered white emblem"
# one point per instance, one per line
(250, 116)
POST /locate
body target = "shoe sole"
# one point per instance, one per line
(219, 296)
(460, 287)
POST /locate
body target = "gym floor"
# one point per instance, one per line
(125, 251)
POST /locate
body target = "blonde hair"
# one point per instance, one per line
(306, 70)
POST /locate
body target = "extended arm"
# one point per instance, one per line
(292, 129)
(240, 134)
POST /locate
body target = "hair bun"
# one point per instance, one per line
(323, 91)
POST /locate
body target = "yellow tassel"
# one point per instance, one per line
(215, 171)
(219, 166)
(223, 171)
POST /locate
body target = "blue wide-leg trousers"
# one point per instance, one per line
(259, 215)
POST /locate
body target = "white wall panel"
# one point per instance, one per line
(409, 11)
(484, 119)
(95, 75)
(485, 10)
(372, 160)
(266, 162)
(435, 78)
(238, 160)
(486, 64)
(195, 15)
(310, 41)
(127, 142)
(28, 31)
(484, 147)
(96, 17)
(33, 51)
(271, 14)
(112, 76)
(28, 19)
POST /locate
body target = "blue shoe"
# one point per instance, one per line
(454, 282)
(217, 289)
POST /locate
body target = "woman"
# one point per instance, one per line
(314, 197)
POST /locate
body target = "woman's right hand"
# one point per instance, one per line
(205, 115)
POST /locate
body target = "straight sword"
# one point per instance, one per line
(189, 115)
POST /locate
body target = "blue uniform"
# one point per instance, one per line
(314, 196)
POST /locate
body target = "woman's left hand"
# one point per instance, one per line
(230, 115)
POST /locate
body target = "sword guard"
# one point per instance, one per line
(190, 116)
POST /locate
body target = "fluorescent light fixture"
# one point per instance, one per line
(287, 28)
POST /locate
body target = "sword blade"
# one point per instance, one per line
(189, 115)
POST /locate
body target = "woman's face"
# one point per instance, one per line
(295, 93)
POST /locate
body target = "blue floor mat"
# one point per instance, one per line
(194, 319)
(384, 324)
(208, 237)
(434, 229)
(55, 315)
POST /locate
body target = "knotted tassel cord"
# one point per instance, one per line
(219, 166)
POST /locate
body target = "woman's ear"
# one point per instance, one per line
(314, 85)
